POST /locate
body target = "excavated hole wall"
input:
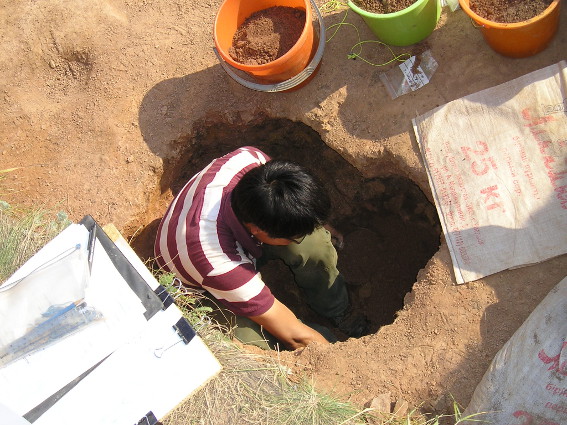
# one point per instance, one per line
(390, 228)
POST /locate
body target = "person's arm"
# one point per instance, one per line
(286, 327)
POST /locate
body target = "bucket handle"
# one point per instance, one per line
(293, 81)
(476, 25)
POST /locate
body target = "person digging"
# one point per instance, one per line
(235, 215)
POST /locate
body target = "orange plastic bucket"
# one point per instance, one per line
(519, 39)
(233, 13)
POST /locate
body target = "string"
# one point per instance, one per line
(158, 352)
(475, 25)
(334, 5)
(402, 57)
(182, 290)
(48, 263)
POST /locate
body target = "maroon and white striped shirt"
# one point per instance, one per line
(203, 243)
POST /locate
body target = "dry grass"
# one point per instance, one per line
(254, 389)
(251, 388)
(23, 233)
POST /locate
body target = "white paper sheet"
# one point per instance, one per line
(56, 275)
(8, 417)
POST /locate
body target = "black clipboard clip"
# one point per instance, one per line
(184, 330)
(90, 248)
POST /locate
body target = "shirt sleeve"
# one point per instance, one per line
(241, 289)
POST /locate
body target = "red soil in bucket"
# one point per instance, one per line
(507, 11)
(516, 39)
(267, 35)
(233, 14)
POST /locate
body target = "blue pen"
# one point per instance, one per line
(60, 322)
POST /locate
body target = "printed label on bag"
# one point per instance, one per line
(414, 75)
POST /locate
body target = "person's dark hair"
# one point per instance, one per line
(282, 198)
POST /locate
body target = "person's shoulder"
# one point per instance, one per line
(242, 157)
(252, 150)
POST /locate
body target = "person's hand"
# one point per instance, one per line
(337, 237)
(282, 323)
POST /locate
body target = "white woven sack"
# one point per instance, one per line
(497, 167)
(526, 383)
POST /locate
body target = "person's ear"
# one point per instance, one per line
(252, 228)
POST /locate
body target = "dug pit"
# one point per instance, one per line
(390, 228)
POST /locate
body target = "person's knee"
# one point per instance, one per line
(317, 247)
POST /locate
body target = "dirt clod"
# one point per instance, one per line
(381, 403)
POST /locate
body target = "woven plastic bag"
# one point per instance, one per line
(526, 383)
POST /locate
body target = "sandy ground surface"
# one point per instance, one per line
(99, 99)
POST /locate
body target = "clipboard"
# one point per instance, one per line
(110, 381)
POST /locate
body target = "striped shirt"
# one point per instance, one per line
(203, 243)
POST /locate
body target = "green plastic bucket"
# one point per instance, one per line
(403, 28)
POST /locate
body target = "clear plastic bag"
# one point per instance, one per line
(57, 322)
(453, 4)
(59, 281)
(409, 76)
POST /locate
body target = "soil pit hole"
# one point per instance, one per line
(390, 228)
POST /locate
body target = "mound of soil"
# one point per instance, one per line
(509, 11)
(267, 35)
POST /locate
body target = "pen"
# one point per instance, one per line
(60, 322)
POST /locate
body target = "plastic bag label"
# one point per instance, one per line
(411, 75)
(415, 77)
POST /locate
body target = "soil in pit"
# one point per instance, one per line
(509, 11)
(390, 228)
(267, 35)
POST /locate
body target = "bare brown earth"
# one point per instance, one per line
(101, 100)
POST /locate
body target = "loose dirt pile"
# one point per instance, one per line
(509, 11)
(506, 11)
(383, 6)
(267, 35)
